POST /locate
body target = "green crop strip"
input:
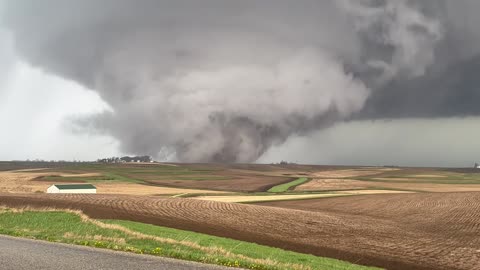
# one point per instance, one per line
(289, 185)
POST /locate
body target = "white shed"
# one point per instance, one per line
(72, 188)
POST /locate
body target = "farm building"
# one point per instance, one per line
(72, 188)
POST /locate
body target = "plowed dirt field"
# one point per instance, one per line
(396, 231)
(238, 182)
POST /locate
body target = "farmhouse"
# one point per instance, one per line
(72, 188)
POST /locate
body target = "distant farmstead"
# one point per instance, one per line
(135, 159)
(72, 188)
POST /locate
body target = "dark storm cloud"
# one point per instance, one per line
(453, 91)
(7, 55)
(225, 80)
(450, 86)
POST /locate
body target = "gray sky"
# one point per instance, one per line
(446, 142)
(243, 81)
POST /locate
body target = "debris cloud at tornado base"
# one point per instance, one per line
(223, 81)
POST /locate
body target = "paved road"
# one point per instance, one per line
(19, 254)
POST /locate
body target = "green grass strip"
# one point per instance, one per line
(289, 185)
(74, 228)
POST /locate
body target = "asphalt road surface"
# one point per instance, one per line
(19, 254)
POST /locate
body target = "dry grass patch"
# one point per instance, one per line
(265, 198)
(373, 191)
(350, 172)
(21, 182)
(393, 179)
(428, 175)
(139, 189)
(30, 170)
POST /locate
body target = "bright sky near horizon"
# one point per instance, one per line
(34, 110)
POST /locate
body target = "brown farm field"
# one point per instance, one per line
(408, 179)
(255, 177)
(183, 176)
(396, 231)
(396, 218)
(146, 179)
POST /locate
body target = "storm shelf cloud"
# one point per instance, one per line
(224, 81)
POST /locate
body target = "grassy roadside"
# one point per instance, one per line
(76, 228)
(289, 185)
